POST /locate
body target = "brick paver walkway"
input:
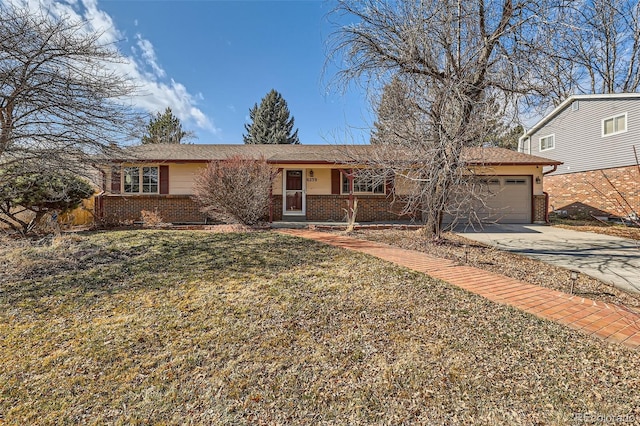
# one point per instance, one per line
(604, 320)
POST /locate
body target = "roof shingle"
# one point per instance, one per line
(330, 154)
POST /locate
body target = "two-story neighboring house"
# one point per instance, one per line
(594, 137)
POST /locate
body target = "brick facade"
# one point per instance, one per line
(277, 207)
(182, 209)
(585, 193)
(171, 208)
(539, 209)
(371, 208)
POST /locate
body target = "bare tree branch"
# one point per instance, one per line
(60, 102)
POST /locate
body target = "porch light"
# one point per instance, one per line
(574, 277)
(310, 173)
(538, 180)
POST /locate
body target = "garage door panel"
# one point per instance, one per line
(507, 200)
(512, 203)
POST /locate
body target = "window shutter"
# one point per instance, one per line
(115, 180)
(164, 179)
(335, 181)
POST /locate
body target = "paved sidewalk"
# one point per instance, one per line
(610, 322)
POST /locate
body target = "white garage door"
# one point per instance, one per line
(509, 200)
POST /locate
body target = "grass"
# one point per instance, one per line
(165, 327)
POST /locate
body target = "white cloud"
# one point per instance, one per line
(142, 66)
(149, 55)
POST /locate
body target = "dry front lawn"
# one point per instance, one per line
(165, 327)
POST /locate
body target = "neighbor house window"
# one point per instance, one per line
(613, 125)
(547, 142)
(362, 184)
(140, 179)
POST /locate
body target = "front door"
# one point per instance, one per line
(294, 202)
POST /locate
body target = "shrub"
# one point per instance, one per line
(38, 192)
(151, 218)
(235, 190)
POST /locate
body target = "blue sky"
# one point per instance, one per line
(211, 61)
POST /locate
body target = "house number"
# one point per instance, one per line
(312, 179)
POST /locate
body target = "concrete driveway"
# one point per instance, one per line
(610, 259)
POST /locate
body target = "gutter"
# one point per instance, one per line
(98, 206)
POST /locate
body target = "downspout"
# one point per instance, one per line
(546, 207)
(98, 206)
(279, 170)
(546, 195)
(350, 177)
(271, 204)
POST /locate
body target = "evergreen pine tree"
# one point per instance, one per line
(271, 122)
(397, 114)
(165, 128)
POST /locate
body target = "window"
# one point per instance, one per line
(362, 184)
(131, 179)
(489, 181)
(515, 181)
(150, 180)
(614, 125)
(547, 142)
(137, 178)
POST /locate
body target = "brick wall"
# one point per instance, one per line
(171, 208)
(277, 207)
(587, 193)
(181, 208)
(539, 209)
(371, 208)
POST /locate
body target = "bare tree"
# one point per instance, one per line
(61, 102)
(454, 59)
(598, 47)
(467, 67)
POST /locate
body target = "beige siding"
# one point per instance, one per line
(403, 185)
(181, 177)
(320, 183)
(277, 185)
(535, 171)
